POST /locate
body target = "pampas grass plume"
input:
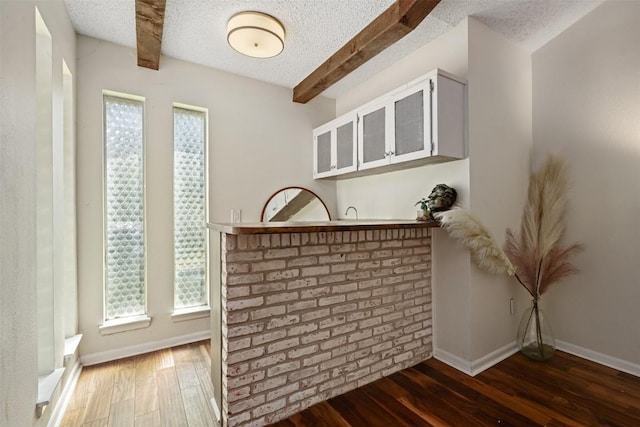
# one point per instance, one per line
(485, 252)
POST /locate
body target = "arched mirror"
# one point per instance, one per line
(295, 204)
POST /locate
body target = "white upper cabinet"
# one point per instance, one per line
(395, 128)
(335, 147)
(423, 120)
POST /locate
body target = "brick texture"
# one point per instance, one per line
(308, 316)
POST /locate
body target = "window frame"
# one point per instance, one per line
(135, 321)
(195, 312)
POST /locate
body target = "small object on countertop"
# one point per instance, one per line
(442, 198)
(423, 215)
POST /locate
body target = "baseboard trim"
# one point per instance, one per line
(452, 360)
(65, 396)
(493, 358)
(474, 367)
(216, 412)
(603, 359)
(134, 350)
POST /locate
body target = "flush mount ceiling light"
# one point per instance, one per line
(255, 34)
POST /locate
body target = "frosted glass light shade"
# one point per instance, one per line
(255, 34)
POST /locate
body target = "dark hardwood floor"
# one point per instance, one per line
(565, 391)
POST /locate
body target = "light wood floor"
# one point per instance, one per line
(170, 387)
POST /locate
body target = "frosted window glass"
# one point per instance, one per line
(409, 124)
(125, 257)
(373, 139)
(344, 137)
(190, 244)
(324, 152)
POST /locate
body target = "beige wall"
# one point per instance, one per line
(471, 308)
(259, 141)
(586, 107)
(18, 309)
(499, 158)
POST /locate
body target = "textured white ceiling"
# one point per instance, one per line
(195, 30)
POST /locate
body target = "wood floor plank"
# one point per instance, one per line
(103, 422)
(359, 409)
(99, 397)
(164, 358)
(79, 398)
(172, 412)
(571, 392)
(197, 407)
(124, 387)
(203, 372)
(145, 365)
(205, 351)
(629, 401)
(478, 406)
(121, 414)
(435, 399)
(520, 393)
(72, 418)
(318, 415)
(187, 376)
(505, 394)
(150, 419)
(394, 406)
(146, 394)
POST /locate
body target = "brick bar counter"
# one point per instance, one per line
(302, 312)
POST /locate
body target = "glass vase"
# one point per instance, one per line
(535, 338)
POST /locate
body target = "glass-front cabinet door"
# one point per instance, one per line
(322, 152)
(373, 135)
(335, 147)
(411, 123)
(346, 145)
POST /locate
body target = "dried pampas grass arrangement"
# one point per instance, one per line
(537, 252)
(535, 255)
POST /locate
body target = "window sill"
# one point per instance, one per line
(123, 325)
(47, 385)
(191, 313)
(71, 345)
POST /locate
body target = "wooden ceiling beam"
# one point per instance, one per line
(149, 24)
(397, 21)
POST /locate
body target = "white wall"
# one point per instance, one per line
(586, 107)
(499, 162)
(471, 308)
(259, 141)
(18, 349)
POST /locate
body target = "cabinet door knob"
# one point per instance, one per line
(391, 153)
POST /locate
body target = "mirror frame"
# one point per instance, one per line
(297, 187)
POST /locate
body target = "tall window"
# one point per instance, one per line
(124, 206)
(46, 250)
(189, 205)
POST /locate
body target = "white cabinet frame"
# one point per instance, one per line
(332, 127)
(443, 126)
